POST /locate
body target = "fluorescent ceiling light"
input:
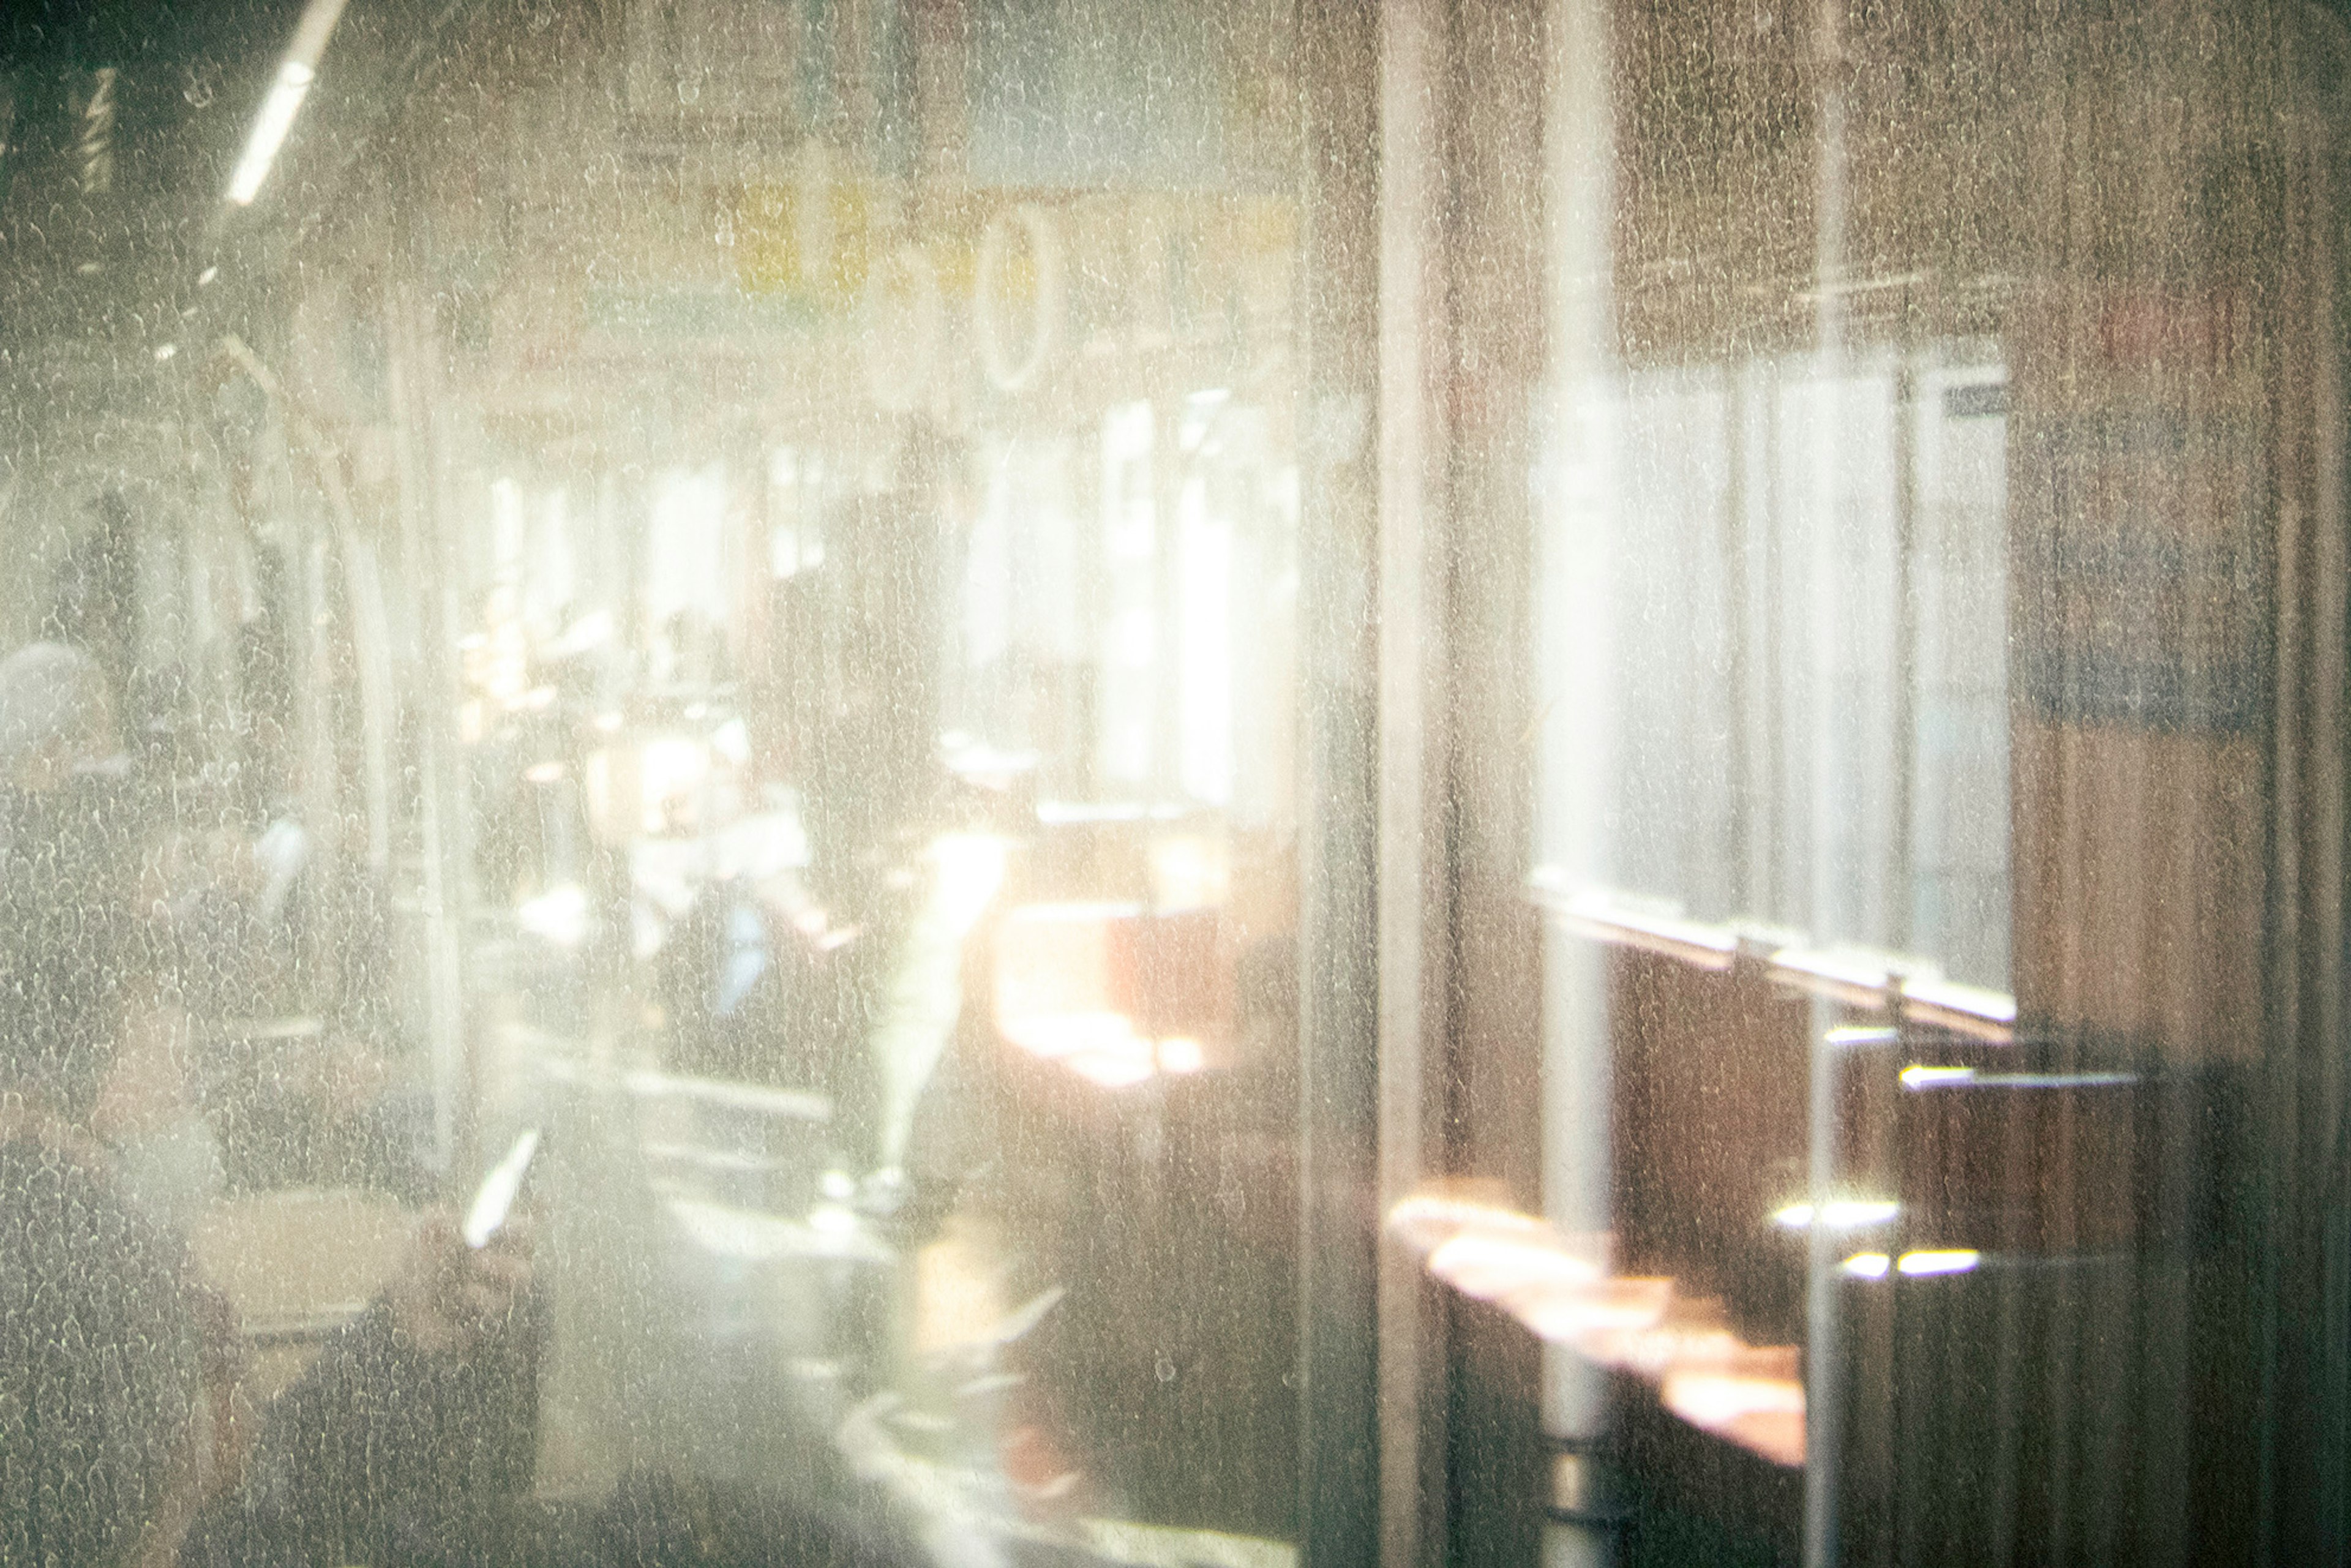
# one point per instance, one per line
(277, 112)
(295, 74)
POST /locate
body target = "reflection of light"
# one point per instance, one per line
(1188, 871)
(285, 101)
(976, 760)
(1181, 1054)
(1485, 1266)
(508, 527)
(1056, 1035)
(1844, 1214)
(1942, 1260)
(689, 567)
(165, 350)
(559, 915)
(733, 741)
(1654, 1351)
(672, 766)
(1205, 633)
(1561, 1290)
(1928, 1260)
(1763, 1412)
(833, 1219)
(1113, 1069)
(543, 773)
(754, 1237)
(610, 723)
(591, 630)
(1426, 1220)
(277, 118)
(2050, 1080)
(1918, 1077)
(495, 1200)
(1851, 1035)
(1577, 1314)
(971, 868)
(1092, 985)
(1715, 1399)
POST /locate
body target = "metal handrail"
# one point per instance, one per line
(1902, 986)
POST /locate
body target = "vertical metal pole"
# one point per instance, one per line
(320, 793)
(1738, 617)
(1415, 873)
(1339, 1517)
(1578, 701)
(424, 558)
(1829, 917)
(1901, 858)
(2324, 868)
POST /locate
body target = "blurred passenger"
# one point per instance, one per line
(108, 1449)
(410, 1440)
(68, 848)
(413, 1422)
(698, 657)
(95, 605)
(165, 1157)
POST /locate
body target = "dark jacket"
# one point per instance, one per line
(383, 1454)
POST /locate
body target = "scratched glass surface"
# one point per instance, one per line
(1939, 460)
(649, 758)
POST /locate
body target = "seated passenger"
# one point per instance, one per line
(417, 1411)
(411, 1439)
(415, 1423)
(409, 1442)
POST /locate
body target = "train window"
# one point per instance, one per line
(653, 802)
(1936, 556)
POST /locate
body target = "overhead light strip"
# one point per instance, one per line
(296, 72)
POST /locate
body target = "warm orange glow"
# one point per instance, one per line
(1112, 992)
(1564, 1292)
(1762, 1414)
(1484, 1265)
(1580, 1314)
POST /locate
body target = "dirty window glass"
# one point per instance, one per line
(648, 782)
(1937, 648)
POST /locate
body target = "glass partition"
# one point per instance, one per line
(700, 603)
(1037, 781)
(1937, 614)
